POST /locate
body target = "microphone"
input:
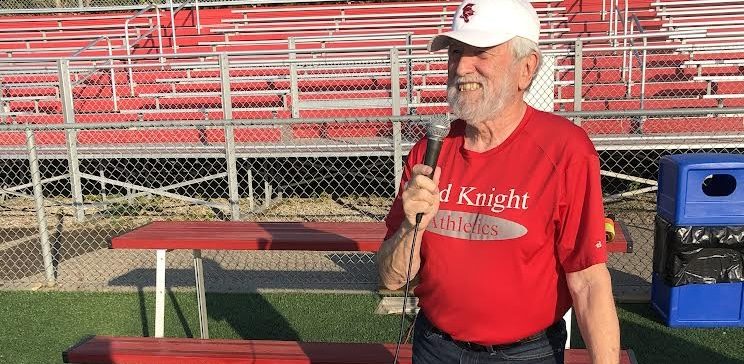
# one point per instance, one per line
(437, 129)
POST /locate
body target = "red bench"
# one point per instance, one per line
(138, 350)
(221, 235)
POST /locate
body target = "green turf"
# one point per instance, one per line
(654, 342)
(38, 326)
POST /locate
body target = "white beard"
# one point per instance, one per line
(477, 110)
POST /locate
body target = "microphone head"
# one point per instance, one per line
(438, 127)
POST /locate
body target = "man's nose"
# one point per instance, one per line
(463, 65)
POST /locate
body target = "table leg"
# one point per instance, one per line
(159, 292)
(567, 317)
(200, 295)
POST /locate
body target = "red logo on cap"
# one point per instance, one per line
(467, 12)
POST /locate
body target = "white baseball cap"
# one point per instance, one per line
(488, 23)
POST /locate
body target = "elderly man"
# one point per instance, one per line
(512, 233)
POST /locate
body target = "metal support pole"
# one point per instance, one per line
(251, 197)
(231, 160)
(160, 31)
(173, 27)
(198, 18)
(638, 124)
(397, 152)
(612, 19)
(201, 298)
(68, 113)
(267, 194)
(114, 96)
(46, 247)
(643, 72)
(103, 184)
(409, 71)
(3, 109)
(578, 77)
(293, 86)
(395, 80)
(397, 138)
(159, 292)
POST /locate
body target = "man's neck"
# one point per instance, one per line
(491, 133)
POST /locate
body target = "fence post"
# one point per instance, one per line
(3, 109)
(409, 71)
(102, 173)
(46, 247)
(251, 197)
(397, 138)
(293, 87)
(578, 77)
(230, 158)
(68, 113)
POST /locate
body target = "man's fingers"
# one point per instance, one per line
(437, 174)
(423, 183)
(421, 169)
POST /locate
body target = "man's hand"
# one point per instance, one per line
(421, 195)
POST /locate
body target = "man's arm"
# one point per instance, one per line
(392, 258)
(421, 195)
(591, 290)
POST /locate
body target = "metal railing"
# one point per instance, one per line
(128, 45)
(93, 69)
(614, 21)
(197, 19)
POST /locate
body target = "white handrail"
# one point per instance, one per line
(604, 9)
(173, 26)
(173, 13)
(115, 97)
(546, 42)
(127, 44)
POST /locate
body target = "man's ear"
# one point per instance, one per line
(527, 70)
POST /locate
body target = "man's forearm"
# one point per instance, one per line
(597, 318)
(392, 258)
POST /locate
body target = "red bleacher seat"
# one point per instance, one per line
(131, 350)
(607, 126)
(692, 125)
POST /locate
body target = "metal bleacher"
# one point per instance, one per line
(331, 61)
(722, 21)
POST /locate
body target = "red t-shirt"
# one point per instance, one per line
(511, 221)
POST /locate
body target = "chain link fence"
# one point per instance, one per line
(125, 175)
(106, 145)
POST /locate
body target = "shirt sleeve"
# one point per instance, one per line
(581, 236)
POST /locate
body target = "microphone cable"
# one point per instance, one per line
(405, 293)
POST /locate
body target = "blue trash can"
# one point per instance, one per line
(699, 190)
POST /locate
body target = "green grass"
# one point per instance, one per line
(38, 326)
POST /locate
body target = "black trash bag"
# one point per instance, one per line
(698, 254)
(663, 234)
(693, 237)
(706, 265)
